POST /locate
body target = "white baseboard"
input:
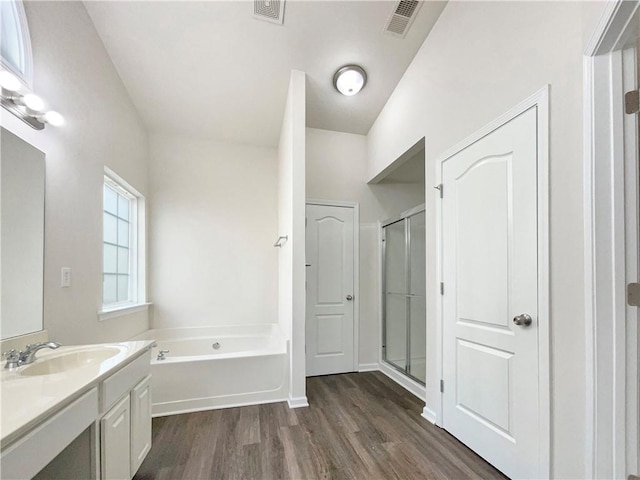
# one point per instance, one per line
(213, 403)
(429, 415)
(414, 387)
(368, 367)
(297, 402)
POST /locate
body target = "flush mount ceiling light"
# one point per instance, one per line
(350, 79)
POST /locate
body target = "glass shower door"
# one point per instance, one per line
(404, 295)
(395, 299)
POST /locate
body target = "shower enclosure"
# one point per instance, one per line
(404, 293)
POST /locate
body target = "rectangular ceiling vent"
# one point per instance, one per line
(404, 13)
(269, 10)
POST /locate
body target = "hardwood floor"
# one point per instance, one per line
(358, 426)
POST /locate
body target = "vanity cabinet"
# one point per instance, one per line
(99, 427)
(115, 441)
(125, 429)
(140, 423)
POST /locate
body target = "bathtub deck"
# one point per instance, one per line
(359, 425)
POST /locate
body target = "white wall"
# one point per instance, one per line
(291, 215)
(337, 170)
(75, 76)
(480, 60)
(213, 223)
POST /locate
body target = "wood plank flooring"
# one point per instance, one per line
(358, 426)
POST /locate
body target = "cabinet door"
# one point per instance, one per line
(115, 442)
(140, 423)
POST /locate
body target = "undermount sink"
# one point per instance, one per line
(69, 361)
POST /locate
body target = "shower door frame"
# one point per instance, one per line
(406, 216)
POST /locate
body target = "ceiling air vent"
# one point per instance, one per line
(402, 17)
(269, 10)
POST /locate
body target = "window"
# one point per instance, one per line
(15, 44)
(122, 249)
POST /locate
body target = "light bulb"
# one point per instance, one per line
(8, 81)
(53, 118)
(350, 79)
(33, 102)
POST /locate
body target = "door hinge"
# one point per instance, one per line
(441, 386)
(441, 188)
(441, 288)
(633, 294)
(632, 102)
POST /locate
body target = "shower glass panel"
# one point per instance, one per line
(404, 319)
(417, 299)
(395, 295)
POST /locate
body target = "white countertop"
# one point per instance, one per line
(26, 401)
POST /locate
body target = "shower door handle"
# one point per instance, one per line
(349, 297)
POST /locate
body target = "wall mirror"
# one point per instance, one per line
(22, 189)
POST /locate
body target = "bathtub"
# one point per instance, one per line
(217, 367)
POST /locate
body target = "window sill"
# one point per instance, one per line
(122, 310)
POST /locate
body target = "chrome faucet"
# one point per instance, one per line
(12, 357)
(28, 355)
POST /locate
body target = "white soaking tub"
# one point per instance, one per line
(217, 367)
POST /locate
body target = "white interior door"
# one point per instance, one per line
(330, 289)
(490, 274)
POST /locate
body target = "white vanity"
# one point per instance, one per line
(77, 404)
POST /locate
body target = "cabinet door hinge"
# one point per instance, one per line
(441, 288)
(632, 102)
(441, 386)
(633, 294)
(441, 188)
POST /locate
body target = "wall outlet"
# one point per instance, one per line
(65, 277)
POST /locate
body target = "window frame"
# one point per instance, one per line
(22, 26)
(137, 248)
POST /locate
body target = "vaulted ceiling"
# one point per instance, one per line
(211, 70)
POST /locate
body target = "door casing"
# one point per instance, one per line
(610, 147)
(356, 268)
(540, 100)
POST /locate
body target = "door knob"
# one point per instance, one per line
(523, 320)
(349, 297)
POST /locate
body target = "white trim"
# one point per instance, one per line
(122, 310)
(368, 367)
(138, 274)
(439, 303)
(401, 379)
(356, 268)
(429, 414)
(297, 402)
(166, 409)
(540, 101)
(214, 403)
(609, 137)
(628, 402)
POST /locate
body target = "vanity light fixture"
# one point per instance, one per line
(27, 106)
(350, 79)
(9, 82)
